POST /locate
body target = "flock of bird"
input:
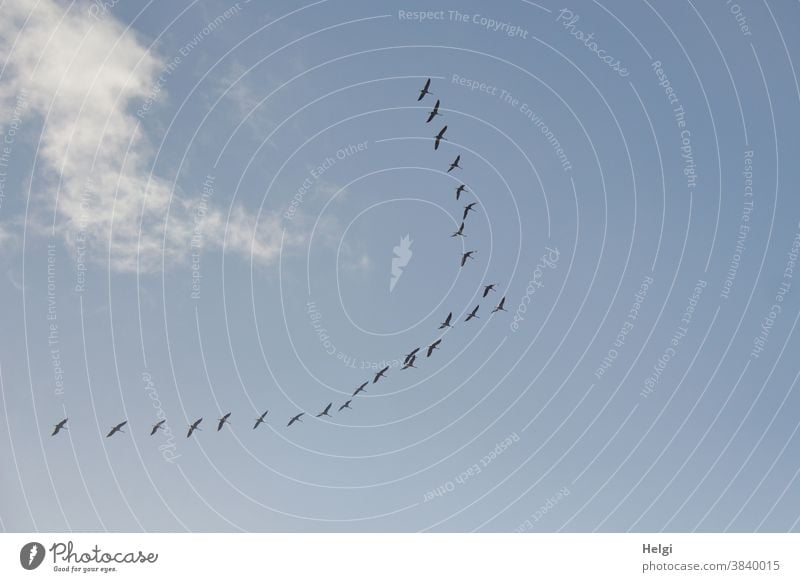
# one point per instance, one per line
(409, 359)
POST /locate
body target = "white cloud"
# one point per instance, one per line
(85, 77)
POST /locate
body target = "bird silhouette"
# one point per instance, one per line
(460, 231)
(157, 426)
(439, 137)
(222, 421)
(117, 428)
(410, 362)
(381, 374)
(59, 426)
(410, 355)
(446, 322)
(467, 255)
(345, 405)
(424, 91)
(454, 163)
(260, 419)
(295, 418)
(433, 346)
(500, 306)
(469, 207)
(473, 314)
(361, 388)
(487, 288)
(325, 412)
(434, 112)
(460, 189)
(194, 426)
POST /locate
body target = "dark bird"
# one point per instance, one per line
(467, 255)
(446, 322)
(460, 231)
(424, 91)
(469, 207)
(434, 112)
(295, 418)
(500, 306)
(259, 420)
(117, 428)
(222, 421)
(433, 346)
(454, 163)
(439, 137)
(325, 412)
(345, 405)
(194, 426)
(460, 189)
(380, 374)
(473, 313)
(487, 288)
(59, 426)
(361, 388)
(156, 426)
(410, 362)
(410, 355)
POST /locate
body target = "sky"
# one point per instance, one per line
(212, 207)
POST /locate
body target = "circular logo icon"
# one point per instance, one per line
(31, 555)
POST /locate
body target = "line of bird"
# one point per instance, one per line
(409, 359)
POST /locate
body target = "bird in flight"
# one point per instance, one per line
(381, 374)
(59, 426)
(360, 388)
(222, 421)
(260, 419)
(424, 91)
(473, 314)
(500, 306)
(295, 418)
(434, 112)
(157, 426)
(117, 428)
(410, 355)
(325, 412)
(487, 288)
(433, 346)
(446, 322)
(194, 426)
(460, 189)
(469, 207)
(345, 405)
(467, 255)
(460, 231)
(454, 163)
(410, 362)
(439, 137)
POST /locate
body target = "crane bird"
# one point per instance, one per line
(434, 112)
(222, 421)
(360, 388)
(381, 374)
(439, 137)
(260, 419)
(446, 322)
(460, 189)
(157, 426)
(117, 428)
(410, 362)
(469, 207)
(410, 355)
(433, 346)
(345, 405)
(295, 418)
(59, 426)
(424, 91)
(325, 412)
(473, 314)
(194, 426)
(500, 306)
(487, 288)
(460, 231)
(454, 163)
(467, 255)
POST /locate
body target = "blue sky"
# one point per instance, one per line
(199, 214)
